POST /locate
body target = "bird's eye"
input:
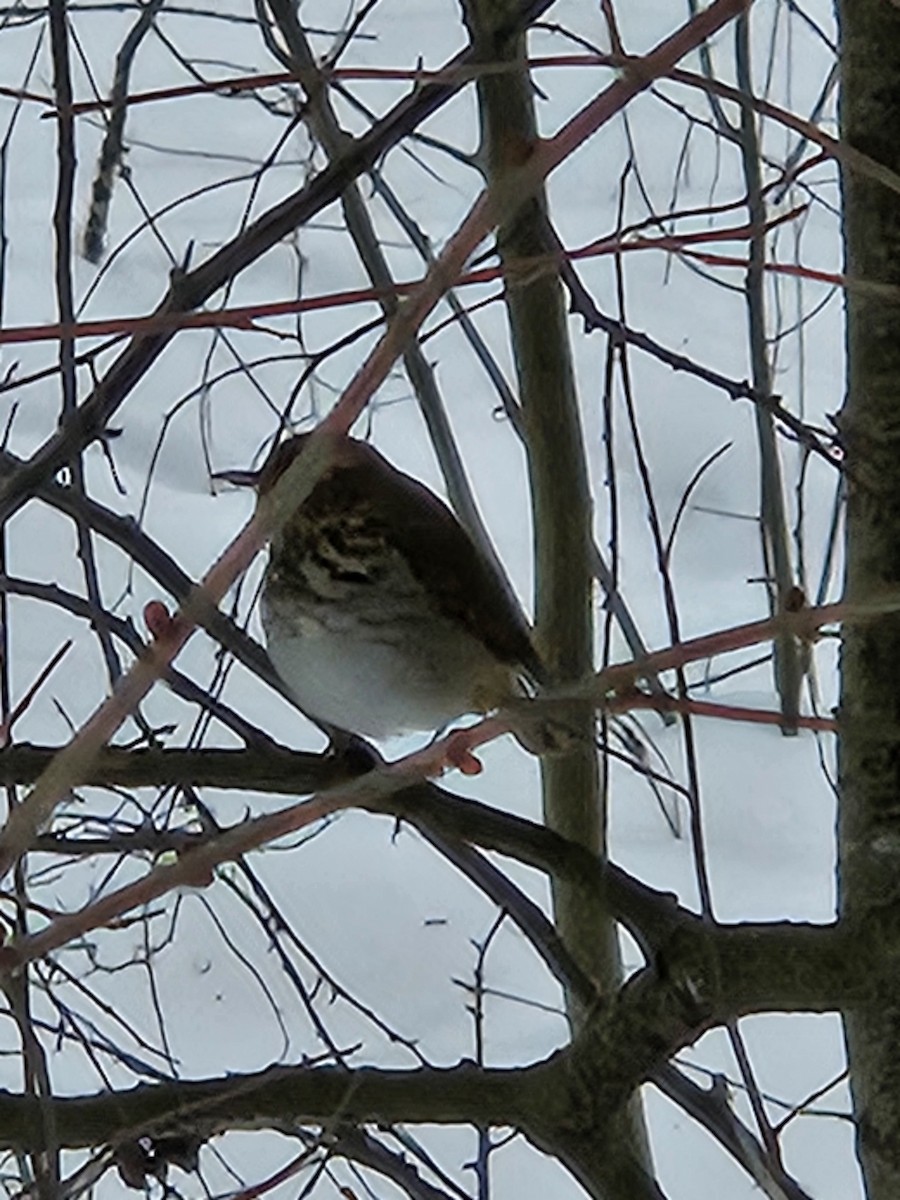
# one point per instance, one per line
(348, 575)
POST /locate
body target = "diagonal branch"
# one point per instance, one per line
(496, 204)
(190, 289)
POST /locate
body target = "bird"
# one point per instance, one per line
(381, 613)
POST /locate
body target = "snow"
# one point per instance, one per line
(395, 924)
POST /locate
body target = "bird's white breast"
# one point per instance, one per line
(377, 677)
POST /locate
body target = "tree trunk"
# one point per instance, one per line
(870, 712)
(562, 511)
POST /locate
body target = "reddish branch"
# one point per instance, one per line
(493, 206)
(196, 867)
(244, 317)
(190, 289)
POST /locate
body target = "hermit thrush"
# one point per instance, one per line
(381, 613)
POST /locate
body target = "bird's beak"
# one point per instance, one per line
(238, 478)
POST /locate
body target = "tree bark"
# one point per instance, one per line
(562, 514)
(870, 711)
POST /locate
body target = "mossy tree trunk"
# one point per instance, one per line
(562, 513)
(870, 712)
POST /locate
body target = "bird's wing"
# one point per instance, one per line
(445, 559)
